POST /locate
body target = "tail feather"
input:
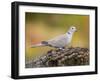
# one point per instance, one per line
(37, 45)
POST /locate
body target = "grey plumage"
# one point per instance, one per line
(59, 41)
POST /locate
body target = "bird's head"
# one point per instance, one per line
(72, 29)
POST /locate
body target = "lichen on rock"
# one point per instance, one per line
(73, 56)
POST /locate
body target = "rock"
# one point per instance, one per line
(73, 56)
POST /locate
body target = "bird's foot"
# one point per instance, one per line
(62, 49)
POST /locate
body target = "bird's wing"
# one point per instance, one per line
(58, 41)
(53, 42)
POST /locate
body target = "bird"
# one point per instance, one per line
(60, 41)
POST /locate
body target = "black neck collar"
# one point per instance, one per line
(69, 33)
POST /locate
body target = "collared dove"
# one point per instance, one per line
(59, 41)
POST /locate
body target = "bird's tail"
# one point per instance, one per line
(37, 45)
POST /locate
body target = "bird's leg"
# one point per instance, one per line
(62, 49)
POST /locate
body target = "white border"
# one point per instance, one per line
(53, 70)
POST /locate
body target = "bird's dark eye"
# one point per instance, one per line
(72, 28)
